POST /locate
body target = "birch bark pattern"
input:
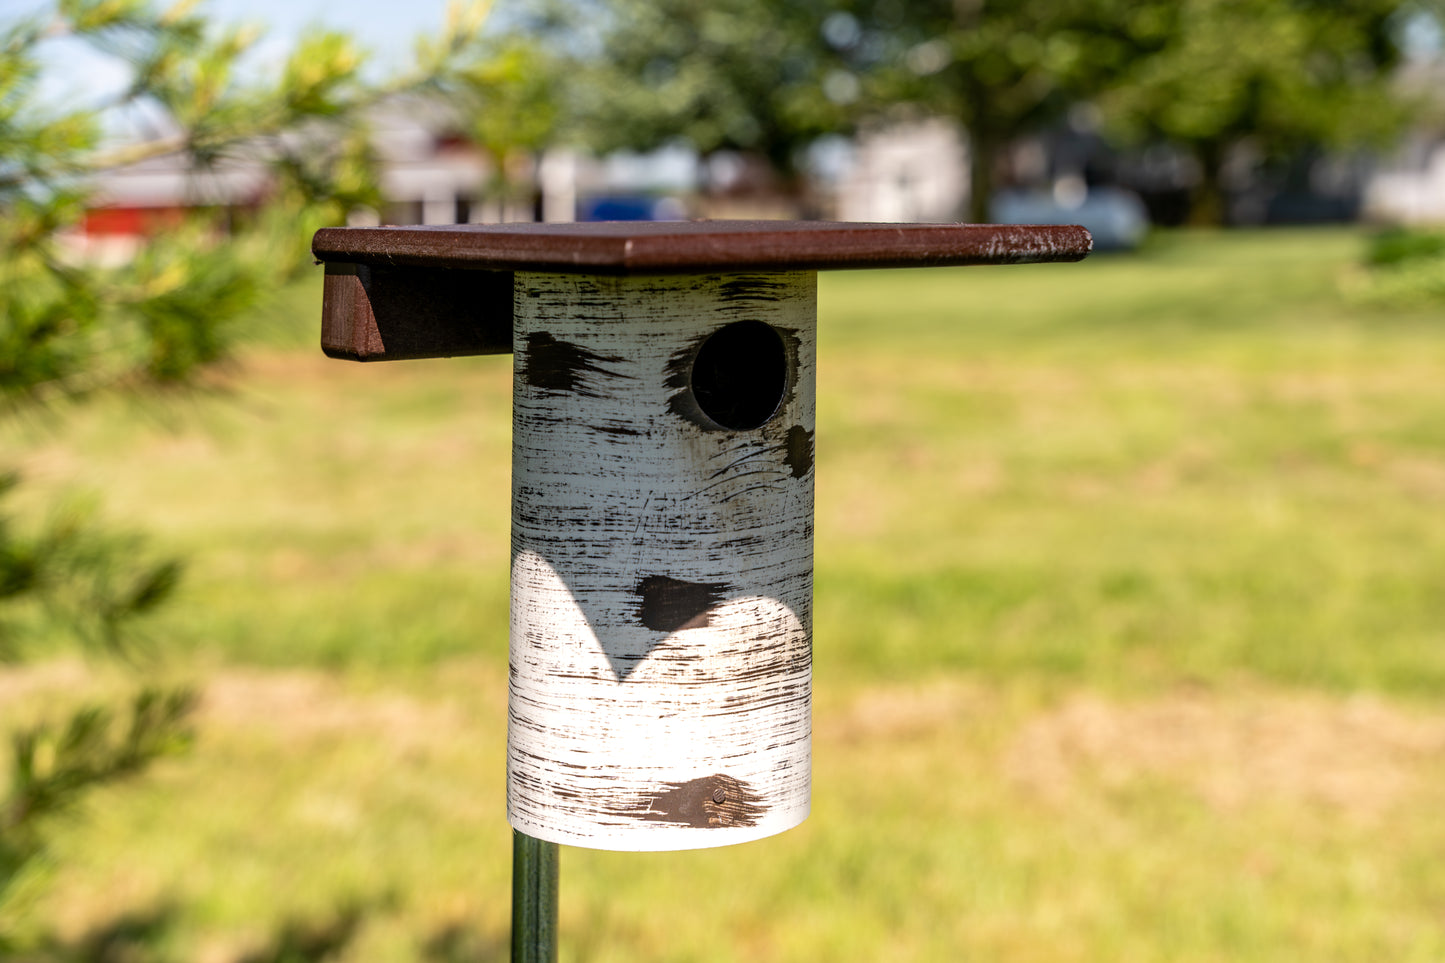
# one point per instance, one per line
(662, 555)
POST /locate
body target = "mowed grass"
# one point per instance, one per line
(1129, 636)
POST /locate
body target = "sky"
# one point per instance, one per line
(385, 28)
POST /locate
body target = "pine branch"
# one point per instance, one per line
(53, 769)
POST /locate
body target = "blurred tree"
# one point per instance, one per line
(70, 326)
(1000, 67)
(1281, 75)
(1202, 74)
(510, 103)
(770, 77)
(755, 76)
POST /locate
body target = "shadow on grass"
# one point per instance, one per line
(311, 940)
(130, 937)
(139, 937)
(458, 943)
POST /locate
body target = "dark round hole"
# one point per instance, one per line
(740, 375)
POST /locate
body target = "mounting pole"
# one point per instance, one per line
(534, 900)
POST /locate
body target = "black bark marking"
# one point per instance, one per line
(552, 365)
(670, 604)
(798, 450)
(615, 430)
(710, 802)
(745, 288)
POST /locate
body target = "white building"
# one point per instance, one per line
(1410, 189)
(907, 172)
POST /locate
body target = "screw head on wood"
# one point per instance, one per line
(719, 795)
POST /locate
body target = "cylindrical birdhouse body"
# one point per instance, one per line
(662, 490)
(662, 530)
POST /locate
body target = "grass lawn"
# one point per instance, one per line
(1129, 636)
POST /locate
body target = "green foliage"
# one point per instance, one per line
(1201, 74)
(64, 317)
(1406, 267)
(1001, 69)
(513, 103)
(75, 576)
(1279, 75)
(770, 78)
(53, 766)
(508, 103)
(1205, 75)
(1401, 244)
(70, 325)
(746, 75)
(1285, 72)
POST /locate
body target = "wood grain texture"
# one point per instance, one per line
(691, 247)
(661, 660)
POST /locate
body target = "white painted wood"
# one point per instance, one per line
(661, 623)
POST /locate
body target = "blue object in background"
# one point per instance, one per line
(630, 207)
(1116, 217)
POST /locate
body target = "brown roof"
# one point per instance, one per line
(673, 247)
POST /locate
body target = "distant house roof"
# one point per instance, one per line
(420, 161)
(171, 181)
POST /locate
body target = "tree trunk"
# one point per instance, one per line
(1207, 205)
(982, 158)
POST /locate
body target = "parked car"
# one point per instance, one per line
(631, 207)
(1116, 217)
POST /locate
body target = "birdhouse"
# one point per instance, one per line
(662, 491)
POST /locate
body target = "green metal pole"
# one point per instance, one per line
(534, 900)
